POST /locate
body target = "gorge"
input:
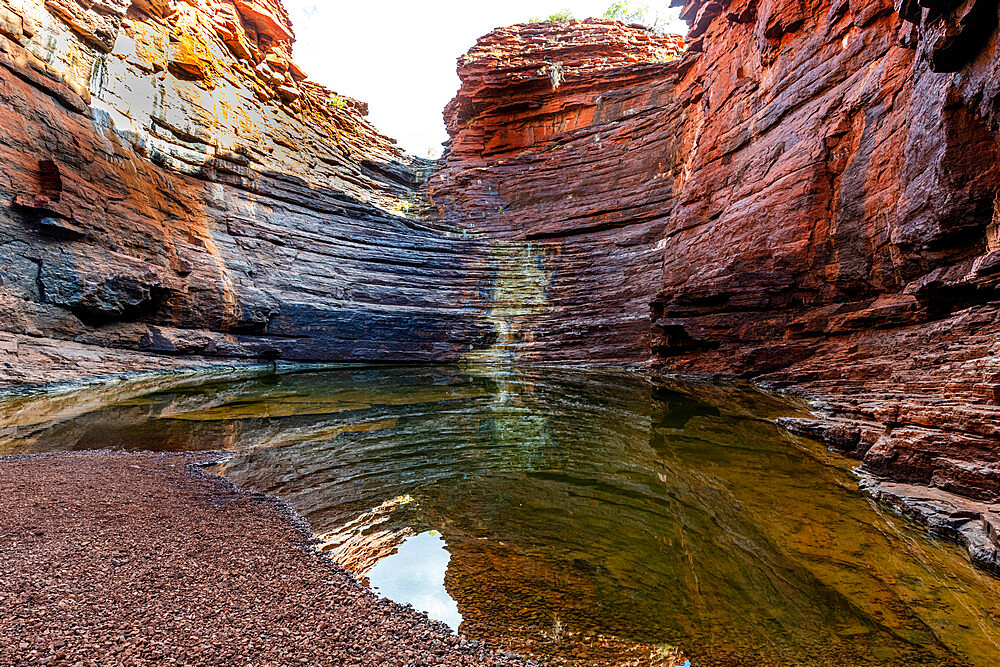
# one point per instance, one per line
(804, 194)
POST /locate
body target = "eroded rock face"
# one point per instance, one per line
(171, 183)
(870, 185)
(807, 196)
(543, 159)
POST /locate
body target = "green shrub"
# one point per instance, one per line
(559, 17)
(655, 14)
(626, 12)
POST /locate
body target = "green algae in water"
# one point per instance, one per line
(590, 517)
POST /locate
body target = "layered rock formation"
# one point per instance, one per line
(835, 227)
(805, 192)
(171, 183)
(545, 132)
(809, 196)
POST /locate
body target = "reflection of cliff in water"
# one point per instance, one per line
(596, 509)
(268, 411)
(589, 514)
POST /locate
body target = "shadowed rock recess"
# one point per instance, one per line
(802, 192)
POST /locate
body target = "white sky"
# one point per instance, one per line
(400, 55)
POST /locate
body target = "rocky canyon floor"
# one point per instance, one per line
(141, 559)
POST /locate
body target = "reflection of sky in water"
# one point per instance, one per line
(415, 575)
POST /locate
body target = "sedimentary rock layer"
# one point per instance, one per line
(852, 179)
(807, 196)
(805, 192)
(170, 183)
(545, 133)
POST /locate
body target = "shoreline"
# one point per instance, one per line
(972, 524)
(144, 557)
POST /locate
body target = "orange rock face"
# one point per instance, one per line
(807, 196)
(172, 184)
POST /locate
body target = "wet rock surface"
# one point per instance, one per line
(140, 559)
(973, 524)
(30, 361)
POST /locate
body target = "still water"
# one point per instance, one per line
(583, 517)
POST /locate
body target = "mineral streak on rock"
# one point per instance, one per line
(517, 294)
(807, 195)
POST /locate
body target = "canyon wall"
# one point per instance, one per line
(172, 188)
(803, 192)
(554, 153)
(807, 196)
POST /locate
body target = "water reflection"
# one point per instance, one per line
(588, 516)
(414, 575)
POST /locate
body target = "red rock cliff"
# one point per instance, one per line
(173, 186)
(807, 196)
(543, 158)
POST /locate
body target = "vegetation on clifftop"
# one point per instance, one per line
(650, 14)
(558, 17)
(653, 15)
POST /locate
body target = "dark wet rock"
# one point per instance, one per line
(844, 437)
(973, 524)
(104, 287)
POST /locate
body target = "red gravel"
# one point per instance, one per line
(132, 559)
